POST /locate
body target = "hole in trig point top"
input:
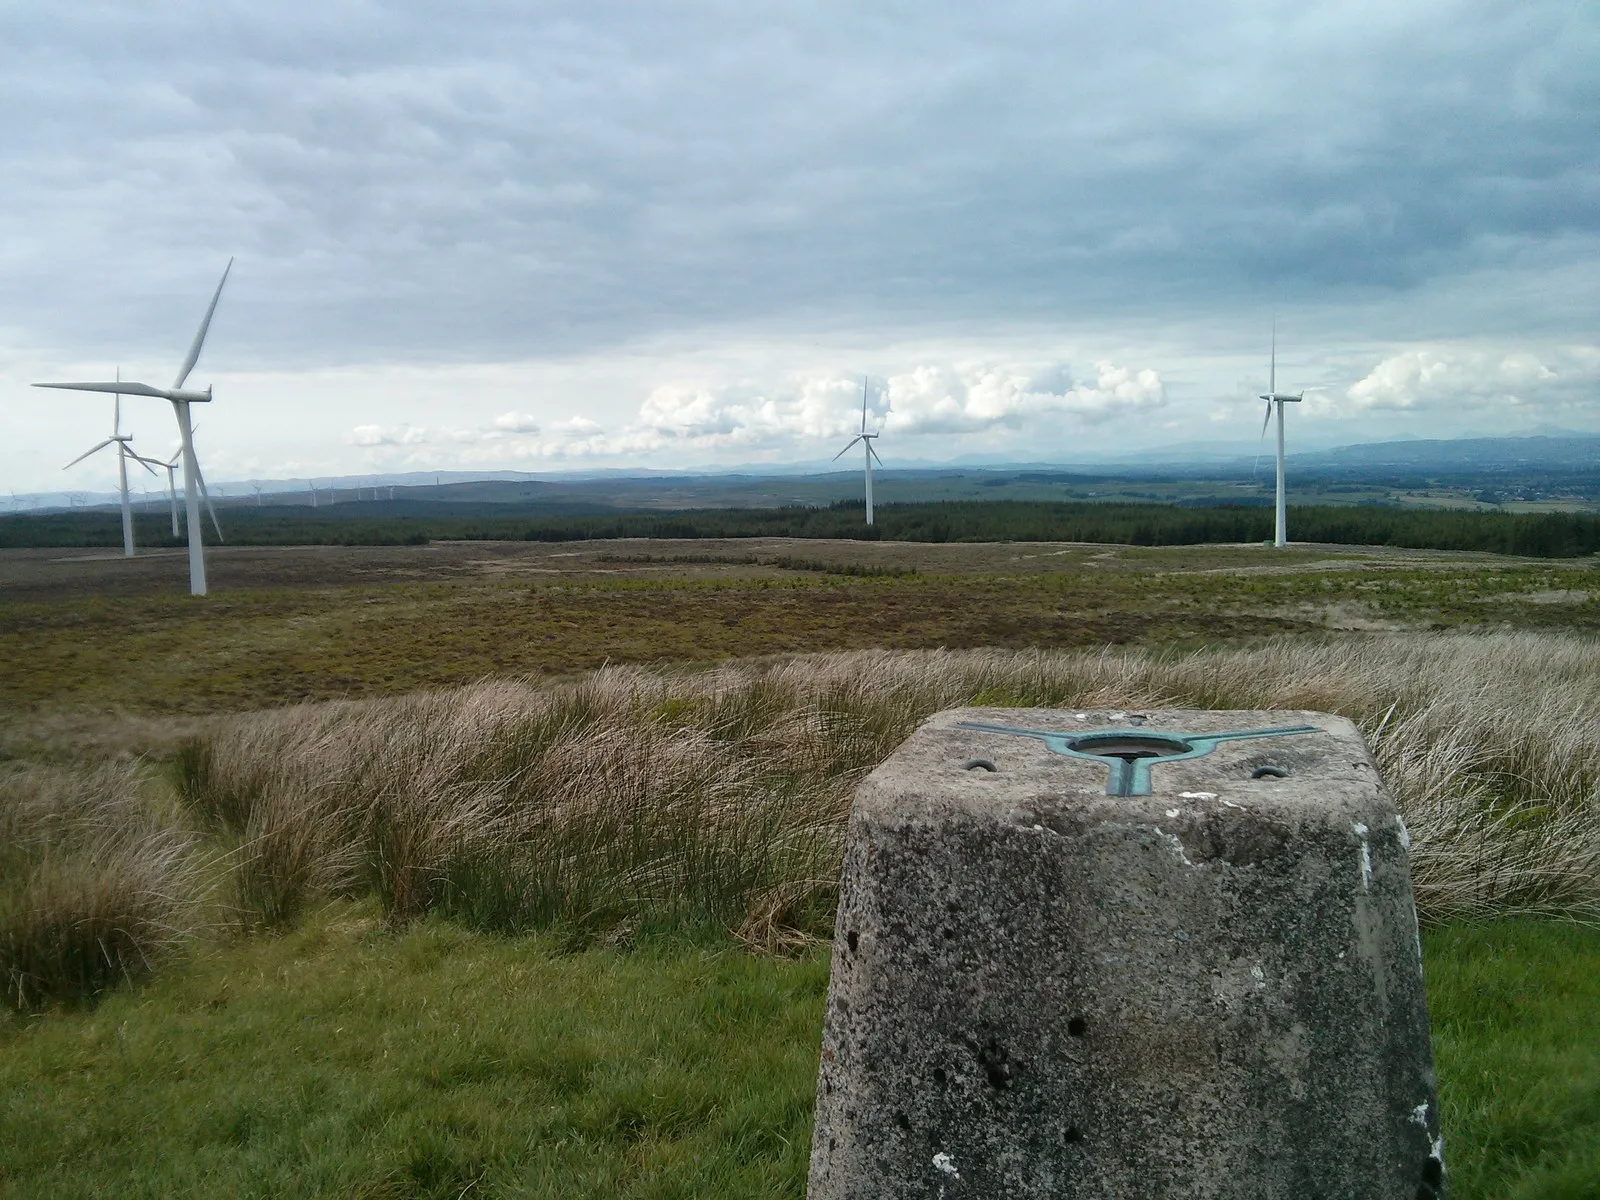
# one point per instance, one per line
(1129, 747)
(1269, 772)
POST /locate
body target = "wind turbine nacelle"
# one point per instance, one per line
(1280, 398)
(184, 396)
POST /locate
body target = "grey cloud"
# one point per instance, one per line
(420, 183)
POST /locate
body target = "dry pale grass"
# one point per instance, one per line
(634, 795)
(95, 884)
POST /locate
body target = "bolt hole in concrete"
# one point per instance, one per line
(853, 939)
(1077, 1027)
(1129, 747)
(1269, 773)
(939, 1076)
(979, 764)
(1074, 1134)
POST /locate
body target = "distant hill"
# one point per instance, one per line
(1567, 462)
(1577, 451)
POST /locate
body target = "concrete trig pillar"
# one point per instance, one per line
(1118, 955)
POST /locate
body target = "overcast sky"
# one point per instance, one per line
(557, 236)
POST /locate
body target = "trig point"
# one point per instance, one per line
(1121, 955)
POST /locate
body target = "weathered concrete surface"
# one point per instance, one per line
(1039, 989)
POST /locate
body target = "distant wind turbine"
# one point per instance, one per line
(194, 484)
(1272, 396)
(865, 439)
(120, 440)
(171, 468)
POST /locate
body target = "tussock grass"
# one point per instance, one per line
(635, 797)
(95, 884)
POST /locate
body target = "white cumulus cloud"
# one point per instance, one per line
(515, 422)
(381, 435)
(683, 423)
(944, 399)
(929, 399)
(1431, 377)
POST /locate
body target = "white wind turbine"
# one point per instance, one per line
(865, 439)
(170, 466)
(1280, 533)
(120, 440)
(193, 482)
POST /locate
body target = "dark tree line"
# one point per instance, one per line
(1545, 535)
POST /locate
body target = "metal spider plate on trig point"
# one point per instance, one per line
(1130, 753)
(1115, 953)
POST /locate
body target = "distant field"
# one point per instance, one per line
(1535, 475)
(88, 634)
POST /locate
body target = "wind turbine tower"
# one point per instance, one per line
(866, 440)
(193, 481)
(171, 468)
(1273, 397)
(120, 440)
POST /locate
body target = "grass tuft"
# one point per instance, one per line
(95, 886)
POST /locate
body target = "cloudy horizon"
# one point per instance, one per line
(599, 235)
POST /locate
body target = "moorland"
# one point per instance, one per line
(506, 867)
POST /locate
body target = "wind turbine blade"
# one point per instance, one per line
(86, 453)
(863, 404)
(200, 337)
(841, 453)
(1255, 467)
(201, 480)
(118, 388)
(874, 453)
(1272, 372)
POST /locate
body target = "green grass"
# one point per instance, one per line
(344, 1060)
(1516, 1029)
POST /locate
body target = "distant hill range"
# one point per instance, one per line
(1579, 451)
(1531, 465)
